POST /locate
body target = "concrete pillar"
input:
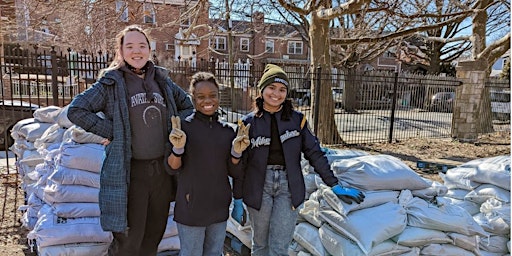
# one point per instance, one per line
(465, 122)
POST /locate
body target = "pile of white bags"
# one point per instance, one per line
(482, 187)
(403, 213)
(60, 167)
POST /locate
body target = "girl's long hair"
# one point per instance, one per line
(287, 108)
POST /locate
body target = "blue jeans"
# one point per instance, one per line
(206, 241)
(273, 225)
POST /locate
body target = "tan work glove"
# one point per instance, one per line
(241, 141)
(177, 137)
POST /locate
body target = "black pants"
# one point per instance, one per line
(149, 198)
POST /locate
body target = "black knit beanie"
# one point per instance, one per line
(273, 74)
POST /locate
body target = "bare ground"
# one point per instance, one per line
(13, 236)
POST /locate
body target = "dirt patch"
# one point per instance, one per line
(13, 236)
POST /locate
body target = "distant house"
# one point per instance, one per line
(498, 66)
(259, 42)
(45, 24)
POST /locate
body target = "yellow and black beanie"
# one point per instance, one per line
(273, 74)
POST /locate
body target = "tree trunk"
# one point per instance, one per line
(320, 57)
(350, 92)
(479, 44)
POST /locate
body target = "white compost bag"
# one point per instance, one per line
(53, 230)
(377, 172)
(368, 227)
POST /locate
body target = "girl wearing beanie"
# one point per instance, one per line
(273, 185)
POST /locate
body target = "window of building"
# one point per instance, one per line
(186, 21)
(122, 10)
(219, 43)
(389, 54)
(244, 44)
(149, 13)
(169, 47)
(269, 46)
(294, 47)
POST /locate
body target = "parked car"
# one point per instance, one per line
(12, 111)
(500, 105)
(337, 96)
(442, 101)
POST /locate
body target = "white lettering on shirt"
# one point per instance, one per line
(289, 134)
(140, 98)
(260, 141)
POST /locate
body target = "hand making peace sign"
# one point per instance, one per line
(177, 137)
(241, 141)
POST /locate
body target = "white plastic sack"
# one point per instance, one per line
(307, 235)
(78, 249)
(445, 250)
(309, 211)
(471, 207)
(372, 198)
(87, 157)
(53, 230)
(448, 218)
(52, 135)
(69, 176)
(436, 189)
(338, 245)
(15, 131)
(469, 243)
(337, 154)
(377, 172)
(486, 191)
(418, 237)
(33, 131)
(171, 229)
(62, 119)
(492, 224)
(47, 114)
(76, 210)
(492, 170)
(365, 228)
(457, 193)
(171, 243)
(57, 193)
(458, 178)
(79, 135)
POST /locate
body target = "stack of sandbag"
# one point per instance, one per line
(243, 232)
(60, 165)
(170, 240)
(68, 223)
(35, 163)
(399, 215)
(482, 188)
(25, 134)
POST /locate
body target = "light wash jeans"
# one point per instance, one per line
(273, 225)
(205, 241)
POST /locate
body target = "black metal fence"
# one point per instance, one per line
(369, 106)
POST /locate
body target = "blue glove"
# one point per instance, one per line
(348, 195)
(238, 210)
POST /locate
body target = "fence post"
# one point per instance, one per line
(317, 98)
(55, 86)
(393, 105)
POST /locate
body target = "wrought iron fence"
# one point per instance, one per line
(368, 107)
